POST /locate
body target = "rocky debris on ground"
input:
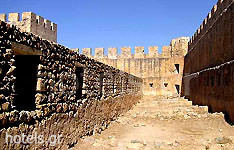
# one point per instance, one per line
(165, 124)
(223, 140)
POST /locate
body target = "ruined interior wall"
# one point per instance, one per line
(155, 69)
(208, 69)
(58, 109)
(32, 23)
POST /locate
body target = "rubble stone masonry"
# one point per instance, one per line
(48, 89)
(209, 69)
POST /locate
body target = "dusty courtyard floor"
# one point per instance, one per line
(164, 124)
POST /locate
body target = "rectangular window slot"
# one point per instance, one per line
(177, 66)
(79, 82)
(177, 88)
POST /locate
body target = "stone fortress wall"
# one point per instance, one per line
(48, 89)
(208, 71)
(30, 22)
(161, 73)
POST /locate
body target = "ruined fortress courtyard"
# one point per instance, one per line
(179, 99)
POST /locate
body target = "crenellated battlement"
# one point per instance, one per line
(212, 17)
(30, 22)
(156, 69)
(177, 47)
(125, 52)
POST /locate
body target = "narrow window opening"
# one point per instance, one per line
(26, 81)
(165, 84)
(151, 85)
(101, 84)
(177, 66)
(177, 88)
(79, 81)
(51, 28)
(45, 25)
(37, 21)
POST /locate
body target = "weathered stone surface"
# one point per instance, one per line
(162, 125)
(208, 72)
(6, 106)
(67, 84)
(155, 69)
(33, 23)
(3, 120)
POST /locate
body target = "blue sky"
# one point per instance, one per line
(117, 23)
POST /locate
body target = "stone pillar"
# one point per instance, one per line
(153, 51)
(166, 51)
(139, 52)
(99, 52)
(126, 52)
(3, 17)
(112, 53)
(75, 50)
(87, 52)
(13, 17)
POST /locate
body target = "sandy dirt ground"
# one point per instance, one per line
(164, 124)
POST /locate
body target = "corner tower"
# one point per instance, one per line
(32, 23)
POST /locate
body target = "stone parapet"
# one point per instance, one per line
(32, 23)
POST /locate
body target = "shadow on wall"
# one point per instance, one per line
(26, 81)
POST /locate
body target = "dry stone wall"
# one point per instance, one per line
(74, 95)
(208, 71)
